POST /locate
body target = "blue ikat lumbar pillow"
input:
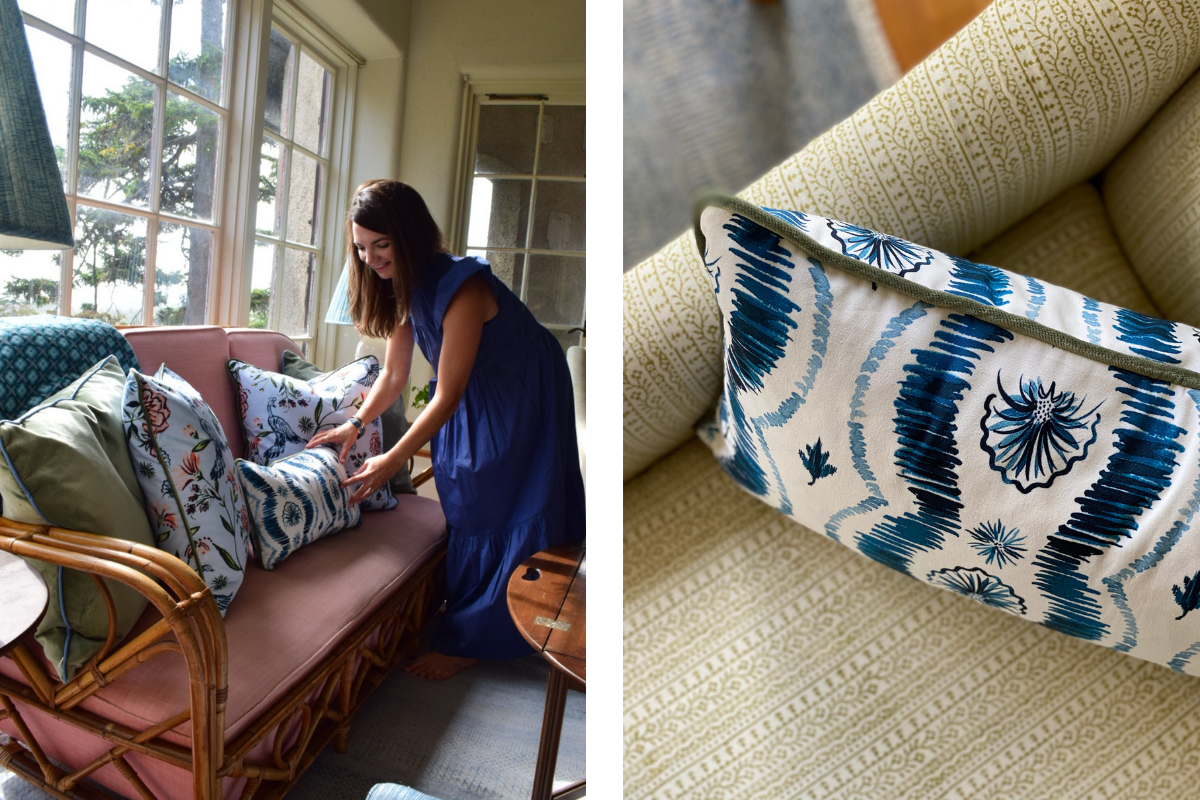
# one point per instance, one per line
(295, 501)
(1000, 437)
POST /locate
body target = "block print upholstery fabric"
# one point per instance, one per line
(1030, 99)
(40, 355)
(295, 501)
(281, 414)
(186, 472)
(964, 452)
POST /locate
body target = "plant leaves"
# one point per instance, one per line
(205, 443)
(228, 558)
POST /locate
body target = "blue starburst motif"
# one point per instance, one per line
(291, 514)
(979, 586)
(880, 249)
(998, 543)
(1037, 434)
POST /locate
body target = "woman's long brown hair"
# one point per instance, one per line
(397, 211)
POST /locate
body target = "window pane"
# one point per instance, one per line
(312, 105)
(110, 259)
(508, 267)
(556, 287)
(279, 83)
(198, 46)
(189, 171)
(507, 139)
(304, 198)
(29, 282)
(563, 137)
(265, 255)
(56, 12)
(130, 29)
(559, 222)
(499, 213)
(295, 291)
(117, 128)
(52, 63)
(181, 267)
(271, 163)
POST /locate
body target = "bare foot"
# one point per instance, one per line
(438, 667)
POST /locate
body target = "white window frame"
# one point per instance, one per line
(151, 213)
(561, 91)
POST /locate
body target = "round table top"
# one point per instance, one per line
(23, 596)
(547, 599)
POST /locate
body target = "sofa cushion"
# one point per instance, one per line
(1003, 438)
(394, 423)
(65, 463)
(280, 414)
(182, 461)
(295, 501)
(198, 354)
(286, 620)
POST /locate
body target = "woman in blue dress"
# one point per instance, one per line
(500, 420)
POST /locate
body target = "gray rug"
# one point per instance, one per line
(719, 91)
(473, 737)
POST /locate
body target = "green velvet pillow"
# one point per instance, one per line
(395, 424)
(66, 463)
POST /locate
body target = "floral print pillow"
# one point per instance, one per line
(280, 414)
(186, 472)
(295, 501)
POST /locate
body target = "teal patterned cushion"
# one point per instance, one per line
(40, 355)
(1000, 437)
(295, 501)
(186, 472)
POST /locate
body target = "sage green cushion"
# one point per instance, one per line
(395, 424)
(66, 463)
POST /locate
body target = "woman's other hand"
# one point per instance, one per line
(374, 474)
(342, 438)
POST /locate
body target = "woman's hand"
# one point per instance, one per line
(374, 474)
(342, 438)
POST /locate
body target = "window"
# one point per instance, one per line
(524, 201)
(137, 103)
(293, 165)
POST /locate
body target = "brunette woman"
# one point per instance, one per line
(500, 420)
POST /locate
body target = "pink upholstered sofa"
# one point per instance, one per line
(190, 705)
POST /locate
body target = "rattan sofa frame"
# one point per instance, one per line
(191, 627)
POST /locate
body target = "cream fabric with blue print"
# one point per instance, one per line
(1045, 462)
(295, 501)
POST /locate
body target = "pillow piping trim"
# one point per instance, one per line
(1004, 319)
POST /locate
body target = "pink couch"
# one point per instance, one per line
(253, 697)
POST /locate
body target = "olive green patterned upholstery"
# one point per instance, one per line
(762, 660)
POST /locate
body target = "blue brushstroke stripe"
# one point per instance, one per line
(1037, 298)
(1091, 318)
(858, 445)
(822, 313)
(925, 422)
(797, 218)
(743, 466)
(1116, 583)
(759, 320)
(980, 282)
(1148, 336)
(1138, 471)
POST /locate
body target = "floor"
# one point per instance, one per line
(915, 28)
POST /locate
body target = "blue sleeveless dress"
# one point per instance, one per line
(506, 465)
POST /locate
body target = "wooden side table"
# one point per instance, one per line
(23, 596)
(547, 598)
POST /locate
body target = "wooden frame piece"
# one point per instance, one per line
(322, 704)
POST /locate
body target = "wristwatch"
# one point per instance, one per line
(358, 423)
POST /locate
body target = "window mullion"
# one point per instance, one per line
(148, 274)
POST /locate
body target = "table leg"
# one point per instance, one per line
(552, 718)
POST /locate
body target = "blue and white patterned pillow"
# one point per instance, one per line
(280, 414)
(295, 501)
(185, 469)
(994, 435)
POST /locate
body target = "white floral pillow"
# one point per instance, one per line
(186, 472)
(280, 414)
(295, 501)
(994, 435)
